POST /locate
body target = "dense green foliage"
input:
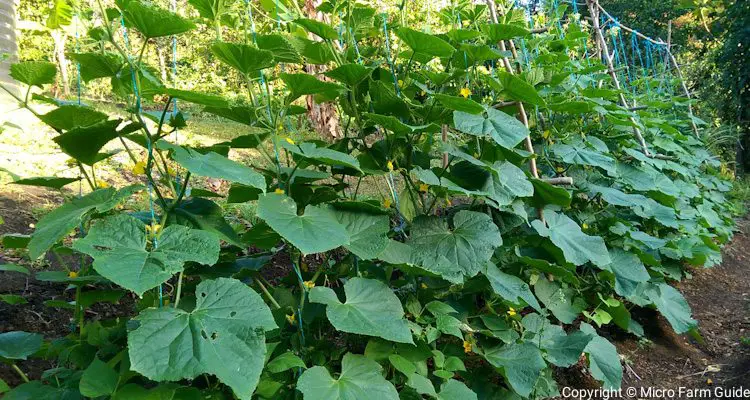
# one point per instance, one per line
(473, 279)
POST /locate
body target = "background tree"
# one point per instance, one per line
(8, 45)
(732, 62)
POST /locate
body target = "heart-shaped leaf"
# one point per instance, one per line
(152, 21)
(243, 57)
(360, 378)
(118, 245)
(224, 336)
(316, 231)
(34, 73)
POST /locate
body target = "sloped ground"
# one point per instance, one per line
(720, 299)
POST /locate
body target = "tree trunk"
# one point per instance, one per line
(323, 117)
(59, 37)
(8, 46)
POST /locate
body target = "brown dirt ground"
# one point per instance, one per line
(720, 300)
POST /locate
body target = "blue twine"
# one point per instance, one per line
(302, 302)
(356, 47)
(388, 55)
(149, 148)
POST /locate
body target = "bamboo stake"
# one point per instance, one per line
(444, 131)
(592, 4)
(522, 116)
(670, 56)
(685, 90)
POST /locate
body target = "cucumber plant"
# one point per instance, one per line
(523, 216)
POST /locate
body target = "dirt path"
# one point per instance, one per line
(720, 300)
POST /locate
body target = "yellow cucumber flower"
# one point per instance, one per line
(465, 92)
(139, 168)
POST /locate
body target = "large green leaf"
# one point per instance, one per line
(118, 245)
(582, 156)
(368, 233)
(559, 300)
(349, 74)
(455, 390)
(46, 181)
(34, 73)
(53, 226)
(360, 378)
(498, 32)
(518, 89)
(459, 103)
(424, 43)
(457, 253)
(280, 47)
(629, 271)
(671, 304)
(322, 155)
(316, 231)
(510, 287)
(507, 131)
(60, 15)
(98, 379)
(577, 246)
(304, 84)
(506, 183)
(17, 345)
(244, 58)
(206, 215)
(209, 9)
(242, 114)
(395, 125)
(98, 65)
(216, 166)
(84, 143)
(224, 336)
(152, 21)
(547, 193)
(370, 309)
(522, 365)
(604, 362)
(563, 349)
(72, 116)
(203, 99)
(321, 29)
(38, 391)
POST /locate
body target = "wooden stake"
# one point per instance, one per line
(593, 5)
(522, 116)
(670, 58)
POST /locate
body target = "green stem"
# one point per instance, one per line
(179, 289)
(18, 370)
(267, 293)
